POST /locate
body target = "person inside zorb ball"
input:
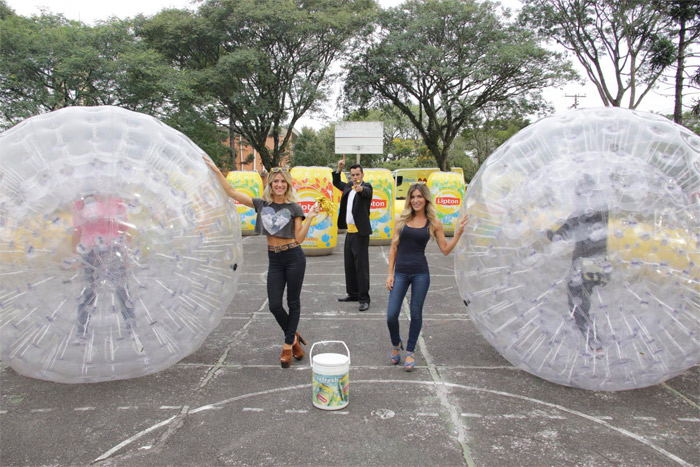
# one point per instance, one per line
(119, 252)
(581, 264)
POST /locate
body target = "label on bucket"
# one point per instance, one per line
(331, 391)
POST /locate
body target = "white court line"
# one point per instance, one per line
(170, 407)
(426, 414)
(2, 412)
(689, 419)
(296, 411)
(471, 415)
(40, 410)
(252, 409)
(138, 435)
(645, 419)
(83, 409)
(598, 420)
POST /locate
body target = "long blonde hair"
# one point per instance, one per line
(409, 213)
(290, 196)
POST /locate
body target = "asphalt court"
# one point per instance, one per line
(230, 403)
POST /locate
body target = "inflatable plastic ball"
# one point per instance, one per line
(581, 260)
(119, 252)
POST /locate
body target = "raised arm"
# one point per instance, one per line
(337, 182)
(301, 228)
(228, 188)
(445, 246)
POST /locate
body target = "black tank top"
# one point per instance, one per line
(410, 257)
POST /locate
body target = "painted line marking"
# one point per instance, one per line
(603, 417)
(335, 412)
(127, 407)
(83, 409)
(689, 419)
(554, 417)
(134, 438)
(590, 418)
(646, 419)
(252, 409)
(170, 407)
(295, 411)
(471, 415)
(3, 412)
(209, 407)
(40, 410)
(427, 414)
(514, 416)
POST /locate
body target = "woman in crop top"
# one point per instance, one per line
(281, 219)
(417, 224)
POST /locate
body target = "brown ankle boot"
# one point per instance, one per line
(286, 358)
(297, 349)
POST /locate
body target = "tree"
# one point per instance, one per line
(618, 42)
(442, 63)
(480, 141)
(685, 15)
(264, 62)
(315, 149)
(48, 62)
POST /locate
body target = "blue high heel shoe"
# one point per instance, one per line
(408, 366)
(396, 352)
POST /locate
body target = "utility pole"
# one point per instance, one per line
(575, 96)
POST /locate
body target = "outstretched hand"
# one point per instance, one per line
(210, 164)
(462, 224)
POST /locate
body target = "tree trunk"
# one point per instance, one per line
(678, 103)
(232, 141)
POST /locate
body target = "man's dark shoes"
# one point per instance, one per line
(348, 298)
(364, 306)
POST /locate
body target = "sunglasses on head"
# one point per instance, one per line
(279, 169)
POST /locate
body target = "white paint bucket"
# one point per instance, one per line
(330, 378)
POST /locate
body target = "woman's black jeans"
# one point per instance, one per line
(287, 268)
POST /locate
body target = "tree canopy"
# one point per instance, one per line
(619, 43)
(263, 63)
(443, 63)
(48, 62)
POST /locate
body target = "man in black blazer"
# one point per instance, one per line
(358, 195)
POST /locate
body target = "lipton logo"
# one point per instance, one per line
(306, 205)
(378, 203)
(447, 201)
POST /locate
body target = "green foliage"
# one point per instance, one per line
(444, 63)
(691, 121)
(479, 142)
(315, 149)
(263, 63)
(48, 62)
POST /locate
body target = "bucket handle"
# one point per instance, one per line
(311, 352)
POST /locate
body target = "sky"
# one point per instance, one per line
(90, 11)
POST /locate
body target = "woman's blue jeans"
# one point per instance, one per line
(287, 268)
(419, 289)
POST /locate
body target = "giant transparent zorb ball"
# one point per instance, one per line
(581, 259)
(119, 251)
